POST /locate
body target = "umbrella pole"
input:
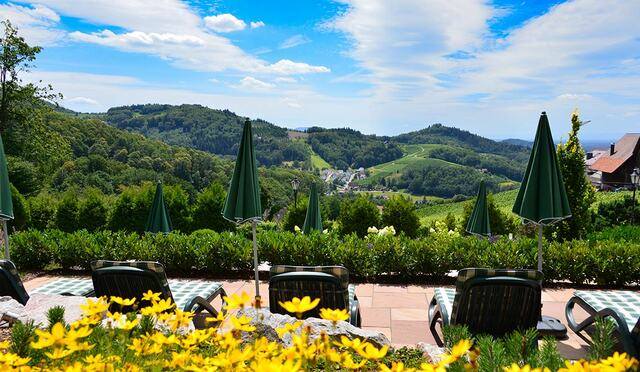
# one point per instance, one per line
(540, 248)
(254, 223)
(5, 232)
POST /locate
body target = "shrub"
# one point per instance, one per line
(67, 212)
(24, 175)
(399, 257)
(400, 212)
(92, 211)
(21, 215)
(357, 215)
(295, 215)
(207, 213)
(43, 211)
(130, 210)
(617, 212)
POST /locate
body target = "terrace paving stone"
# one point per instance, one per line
(389, 289)
(409, 314)
(364, 290)
(402, 300)
(375, 317)
(410, 332)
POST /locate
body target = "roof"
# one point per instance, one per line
(624, 150)
(596, 155)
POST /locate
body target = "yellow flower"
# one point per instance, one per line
(5, 344)
(237, 301)
(128, 325)
(242, 324)
(46, 339)
(288, 328)
(151, 296)
(460, 348)
(58, 353)
(334, 315)
(80, 346)
(298, 306)
(371, 352)
(395, 367)
(426, 367)
(356, 344)
(13, 360)
(94, 307)
(350, 364)
(123, 301)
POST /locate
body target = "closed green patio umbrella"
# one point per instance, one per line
(243, 198)
(158, 220)
(313, 220)
(542, 198)
(6, 204)
(479, 220)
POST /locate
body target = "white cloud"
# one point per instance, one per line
(286, 80)
(170, 30)
(257, 24)
(82, 101)
(37, 24)
(290, 102)
(294, 41)
(224, 23)
(253, 84)
(288, 67)
(574, 96)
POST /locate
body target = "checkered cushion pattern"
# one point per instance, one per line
(352, 294)
(338, 271)
(183, 291)
(625, 303)
(467, 274)
(75, 286)
(444, 298)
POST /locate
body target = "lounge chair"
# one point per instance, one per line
(623, 307)
(10, 283)
(328, 283)
(128, 279)
(488, 301)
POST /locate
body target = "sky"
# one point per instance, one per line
(379, 66)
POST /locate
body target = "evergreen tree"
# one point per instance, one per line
(580, 192)
(400, 212)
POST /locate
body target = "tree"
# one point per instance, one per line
(207, 213)
(400, 212)
(43, 210)
(17, 99)
(357, 215)
(92, 211)
(24, 175)
(580, 192)
(67, 213)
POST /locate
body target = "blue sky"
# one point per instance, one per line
(378, 66)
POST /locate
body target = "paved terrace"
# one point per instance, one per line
(400, 311)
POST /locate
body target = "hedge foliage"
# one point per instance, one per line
(605, 262)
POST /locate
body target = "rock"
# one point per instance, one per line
(266, 324)
(37, 307)
(433, 352)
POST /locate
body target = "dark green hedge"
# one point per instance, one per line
(604, 262)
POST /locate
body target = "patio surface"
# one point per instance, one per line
(400, 311)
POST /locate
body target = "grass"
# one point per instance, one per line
(504, 200)
(318, 162)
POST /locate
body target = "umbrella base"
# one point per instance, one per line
(548, 326)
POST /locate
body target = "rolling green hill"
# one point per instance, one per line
(423, 171)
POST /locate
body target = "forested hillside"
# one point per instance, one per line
(347, 148)
(214, 131)
(438, 133)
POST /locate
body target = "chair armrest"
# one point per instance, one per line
(354, 312)
(435, 317)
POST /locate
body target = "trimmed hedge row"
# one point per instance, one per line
(604, 262)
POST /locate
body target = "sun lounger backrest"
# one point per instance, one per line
(10, 283)
(128, 279)
(339, 272)
(497, 302)
(284, 287)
